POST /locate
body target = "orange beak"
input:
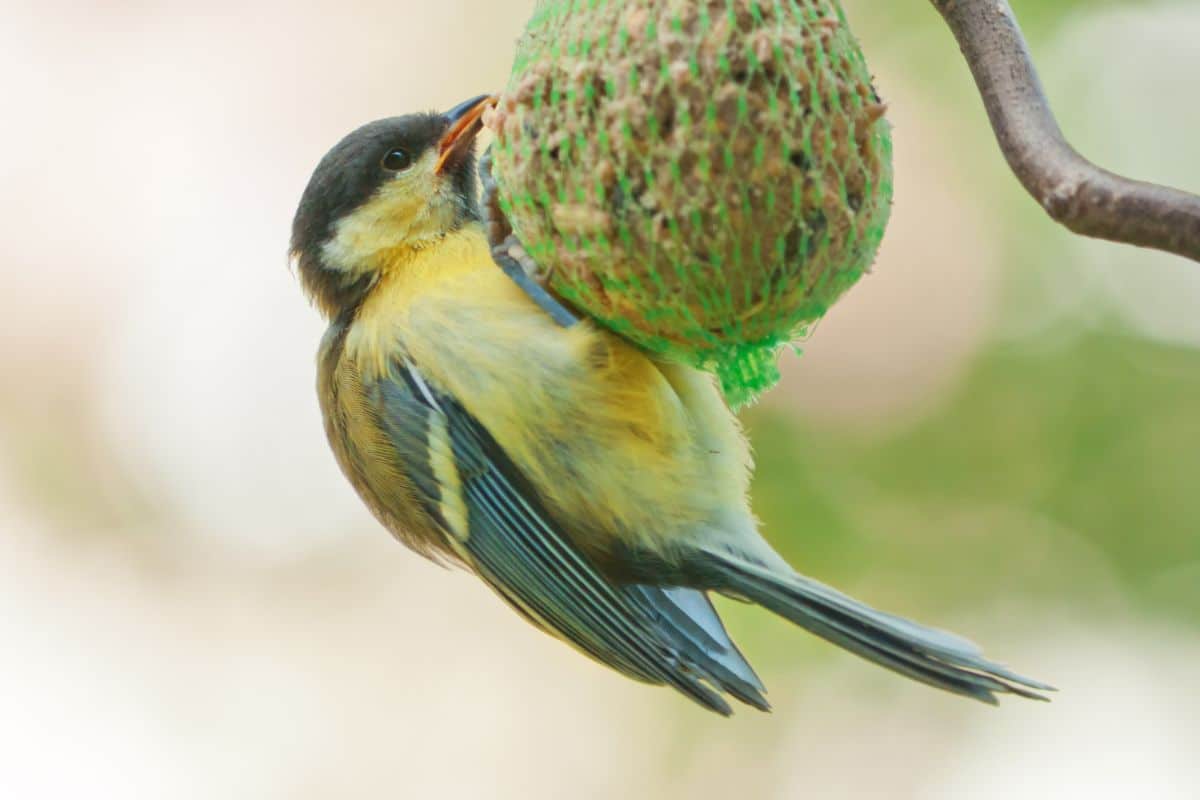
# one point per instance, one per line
(465, 123)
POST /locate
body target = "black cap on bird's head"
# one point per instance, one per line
(390, 187)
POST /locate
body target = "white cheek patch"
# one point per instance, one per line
(405, 213)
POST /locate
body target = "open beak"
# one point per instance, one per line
(465, 122)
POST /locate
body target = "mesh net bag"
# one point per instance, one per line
(704, 177)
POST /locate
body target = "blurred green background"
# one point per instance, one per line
(997, 431)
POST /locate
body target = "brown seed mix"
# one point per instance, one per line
(733, 155)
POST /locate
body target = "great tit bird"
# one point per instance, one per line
(600, 491)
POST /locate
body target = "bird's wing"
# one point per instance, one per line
(689, 621)
(494, 521)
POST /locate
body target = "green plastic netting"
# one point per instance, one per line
(704, 177)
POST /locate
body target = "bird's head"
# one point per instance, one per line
(385, 191)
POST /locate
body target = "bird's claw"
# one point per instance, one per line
(508, 253)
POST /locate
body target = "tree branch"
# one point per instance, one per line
(1085, 198)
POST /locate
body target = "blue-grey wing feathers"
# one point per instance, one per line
(659, 635)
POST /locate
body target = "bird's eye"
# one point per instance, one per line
(397, 159)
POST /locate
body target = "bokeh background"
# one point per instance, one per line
(998, 432)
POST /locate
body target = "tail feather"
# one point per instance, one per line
(927, 655)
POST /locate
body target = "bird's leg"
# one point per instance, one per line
(508, 253)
